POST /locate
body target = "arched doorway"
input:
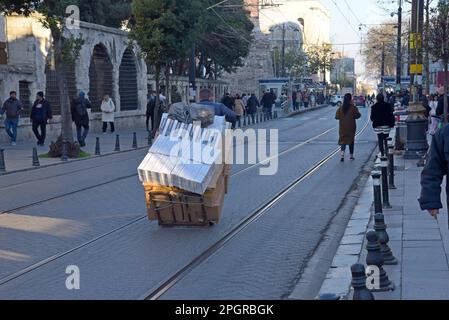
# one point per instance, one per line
(52, 89)
(100, 76)
(128, 82)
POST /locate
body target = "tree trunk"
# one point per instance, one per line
(426, 45)
(66, 116)
(167, 83)
(156, 119)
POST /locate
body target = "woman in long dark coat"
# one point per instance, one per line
(347, 114)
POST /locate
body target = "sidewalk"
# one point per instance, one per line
(420, 243)
(20, 157)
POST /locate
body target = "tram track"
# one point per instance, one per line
(197, 261)
(155, 294)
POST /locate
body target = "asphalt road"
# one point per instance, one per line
(92, 214)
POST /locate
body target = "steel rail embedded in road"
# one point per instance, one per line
(253, 217)
(60, 255)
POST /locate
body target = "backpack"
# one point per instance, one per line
(81, 108)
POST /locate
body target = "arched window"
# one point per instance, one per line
(100, 76)
(52, 90)
(128, 82)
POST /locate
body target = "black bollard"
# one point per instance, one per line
(377, 192)
(271, 115)
(384, 239)
(361, 292)
(391, 166)
(244, 120)
(385, 195)
(275, 114)
(257, 120)
(97, 147)
(2, 161)
(134, 141)
(35, 158)
(374, 259)
(150, 138)
(117, 144)
(64, 151)
(329, 297)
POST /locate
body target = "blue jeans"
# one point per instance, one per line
(11, 128)
(81, 132)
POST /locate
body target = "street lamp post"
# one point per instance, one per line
(399, 49)
(416, 121)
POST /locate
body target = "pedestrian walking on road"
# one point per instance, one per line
(383, 121)
(432, 176)
(151, 106)
(40, 114)
(347, 114)
(228, 101)
(268, 99)
(253, 105)
(12, 107)
(107, 113)
(239, 109)
(207, 98)
(80, 116)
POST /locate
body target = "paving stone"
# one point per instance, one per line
(344, 261)
(350, 249)
(352, 239)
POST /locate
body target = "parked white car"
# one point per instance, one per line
(337, 100)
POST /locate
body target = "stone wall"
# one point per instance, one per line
(28, 49)
(258, 65)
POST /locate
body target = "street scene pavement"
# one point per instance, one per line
(224, 150)
(106, 233)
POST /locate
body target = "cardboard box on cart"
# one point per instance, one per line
(175, 207)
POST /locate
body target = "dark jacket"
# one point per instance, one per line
(12, 108)
(80, 120)
(405, 100)
(43, 114)
(435, 170)
(221, 111)
(440, 107)
(382, 115)
(151, 105)
(268, 100)
(228, 102)
(253, 104)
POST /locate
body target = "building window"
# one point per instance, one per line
(3, 54)
(25, 97)
(52, 89)
(100, 77)
(128, 82)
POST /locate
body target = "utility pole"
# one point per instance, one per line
(416, 69)
(426, 47)
(283, 50)
(399, 49)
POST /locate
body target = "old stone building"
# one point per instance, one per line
(108, 64)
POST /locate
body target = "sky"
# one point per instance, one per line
(345, 24)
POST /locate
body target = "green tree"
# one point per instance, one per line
(296, 63)
(165, 30)
(65, 47)
(226, 36)
(439, 43)
(320, 59)
(110, 13)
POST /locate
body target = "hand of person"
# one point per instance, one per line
(434, 213)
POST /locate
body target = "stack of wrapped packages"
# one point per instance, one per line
(185, 173)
